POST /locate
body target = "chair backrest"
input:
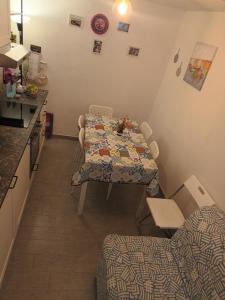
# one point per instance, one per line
(198, 249)
(81, 121)
(192, 196)
(154, 149)
(146, 130)
(81, 137)
(100, 111)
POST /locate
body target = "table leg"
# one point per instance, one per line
(142, 205)
(82, 198)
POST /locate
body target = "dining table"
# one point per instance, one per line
(113, 157)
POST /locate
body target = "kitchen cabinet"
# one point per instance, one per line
(6, 232)
(4, 22)
(12, 209)
(21, 189)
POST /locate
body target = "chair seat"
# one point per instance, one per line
(166, 213)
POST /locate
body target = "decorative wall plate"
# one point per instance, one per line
(100, 24)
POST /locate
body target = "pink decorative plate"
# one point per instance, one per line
(100, 24)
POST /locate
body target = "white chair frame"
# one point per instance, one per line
(154, 149)
(167, 214)
(146, 130)
(81, 121)
(81, 137)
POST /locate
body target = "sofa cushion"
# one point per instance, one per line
(141, 268)
(199, 250)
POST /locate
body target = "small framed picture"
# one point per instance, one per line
(76, 21)
(134, 51)
(123, 27)
(97, 48)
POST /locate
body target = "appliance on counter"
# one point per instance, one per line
(16, 114)
(35, 145)
(13, 55)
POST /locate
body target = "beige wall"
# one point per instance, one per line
(190, 125)
(78, 78)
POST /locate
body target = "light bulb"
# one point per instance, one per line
(122, 7)
(17, 18)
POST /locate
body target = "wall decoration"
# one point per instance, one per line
(76, 21)
(100, 24)
(179, 69)
(123, 27)
(200, 64)
(97, 48)
(176, 57)
(134, 51)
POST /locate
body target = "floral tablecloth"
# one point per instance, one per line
(113, 158)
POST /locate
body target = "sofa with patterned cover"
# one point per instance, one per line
(191, 265)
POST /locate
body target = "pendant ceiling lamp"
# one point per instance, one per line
(122, 6)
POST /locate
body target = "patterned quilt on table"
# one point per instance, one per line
(189, 266)
(113, 158)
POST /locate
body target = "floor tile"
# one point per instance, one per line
(72, 281)
(56, 252)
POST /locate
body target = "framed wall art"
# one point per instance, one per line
(97, 48)
(134, 51)
(123, 27)
(76, 21)
(200, 64)
(100, 24)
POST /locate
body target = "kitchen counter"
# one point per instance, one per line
(13, 142)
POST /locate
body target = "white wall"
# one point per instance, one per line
(78, 78)
(190, 125)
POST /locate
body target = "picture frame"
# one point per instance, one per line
(134, 51)
(200, 64)
(76, 21)
(124, 27)
(97, 47)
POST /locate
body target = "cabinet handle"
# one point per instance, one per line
(12, 186)
(35, 167)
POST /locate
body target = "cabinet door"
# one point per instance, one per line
(20, 191)
(4, 22)
(6, 232)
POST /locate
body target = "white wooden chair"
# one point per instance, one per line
(146, 130)
(81, 121)
(154, 149)
(167, 214)
(81, 138)
(99, 110)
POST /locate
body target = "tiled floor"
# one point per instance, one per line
(56, 252)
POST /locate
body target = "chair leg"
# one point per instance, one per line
(140, 223)
(109, 190)
(143, 219)
(82, 198)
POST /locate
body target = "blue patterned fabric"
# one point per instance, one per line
(110, 157)
(189, 266)
(200, 248)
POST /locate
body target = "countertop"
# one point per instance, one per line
(13, 142)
